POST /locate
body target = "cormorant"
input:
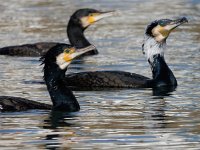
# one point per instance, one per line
(78, 22)
(154, 46)
(55, 61)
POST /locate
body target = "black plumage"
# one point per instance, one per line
(62, 97)
(154, 44)
(8, 103)
(112, 79)
(75, 32)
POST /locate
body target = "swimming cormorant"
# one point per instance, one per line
(55, 61)
(154, 46)
(78, 22)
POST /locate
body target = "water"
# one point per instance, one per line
(111, 119)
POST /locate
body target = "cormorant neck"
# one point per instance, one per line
(162, 75)
(61, 96)
(154, 51)
(151, 47)
(76, 35)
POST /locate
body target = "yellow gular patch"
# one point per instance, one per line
(67, 57)
(88, 20)
(160, 33)
(162, 30)
(91, 19)
(68, 54)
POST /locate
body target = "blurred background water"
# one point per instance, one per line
(109, 119)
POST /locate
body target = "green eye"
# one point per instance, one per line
(162, 23)
(69, 50)
(66, 50)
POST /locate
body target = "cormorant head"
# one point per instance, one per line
(156, 34)
(86, 17)
(62, 55)
(160, 29)
(68, 54)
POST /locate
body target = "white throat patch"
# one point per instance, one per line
(151, 47)
(61, 62)
(84, 21)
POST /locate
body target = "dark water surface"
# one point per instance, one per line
(109, 119)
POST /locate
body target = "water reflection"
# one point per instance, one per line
(163, 91)
(157, 107)
(58, 119)
(55, 121)
(51, 142)
(109, 119)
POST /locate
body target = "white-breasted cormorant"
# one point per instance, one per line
(78, 22)
(55, 61)
(154, 46)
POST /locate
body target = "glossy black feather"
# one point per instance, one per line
(62, 97)
(8, 103)
(33, 50)
(112, 79)
(75, 32)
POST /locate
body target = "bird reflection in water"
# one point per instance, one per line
(55, 121)
(155, 110)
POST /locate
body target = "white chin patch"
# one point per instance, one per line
(61, 62)
(84, 22)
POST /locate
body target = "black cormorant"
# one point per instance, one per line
(154, 46)
(55, 61)
(78, 22)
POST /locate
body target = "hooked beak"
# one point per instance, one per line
(73, 53)
(162, 32)
(102, 15)
(81, 51)
(94, 17)
(65, 58)
(175, 23)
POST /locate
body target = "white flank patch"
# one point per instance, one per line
(61, 62)
(152, 47)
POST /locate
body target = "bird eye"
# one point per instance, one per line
(162, 23)
(66, 50)
(91, 14)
